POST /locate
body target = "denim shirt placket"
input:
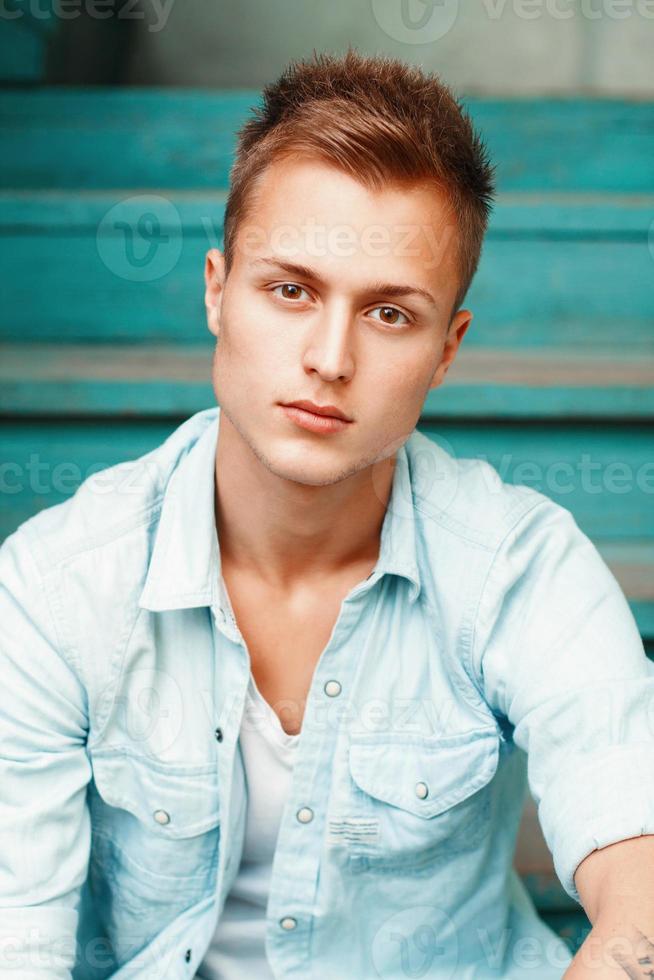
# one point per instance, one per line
(295, 867)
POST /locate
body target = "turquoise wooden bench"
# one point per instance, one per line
(103, 353)
(24, 40)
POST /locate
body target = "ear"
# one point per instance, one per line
(214, 279)
(453, 337)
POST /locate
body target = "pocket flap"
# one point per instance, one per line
(172, 800)
(421, 773)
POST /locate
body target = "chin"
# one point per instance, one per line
(310, 467)
(305, 471)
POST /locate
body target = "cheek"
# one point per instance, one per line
(404, 386)
(231, 366)
(254, 339)
(238, 346)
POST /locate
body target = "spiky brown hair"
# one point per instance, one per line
(379, 120)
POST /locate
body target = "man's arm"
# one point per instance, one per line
(616, 885)
(559, 654)
(44, 771)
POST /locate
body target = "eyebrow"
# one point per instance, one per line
(387, 288)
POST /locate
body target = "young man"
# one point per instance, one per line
(275, 691)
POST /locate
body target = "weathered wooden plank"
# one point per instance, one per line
(74, 211)
(575, 293)
(602, 473)
(544, 383)
(107, 137)
(42, 462)
(154, 137)
(157, 379)
(568, 143)
(574, 214)
(591, 293)
(569, 215)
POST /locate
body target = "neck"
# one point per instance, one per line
(287, 532)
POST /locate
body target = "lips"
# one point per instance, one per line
(309, 419)
(329, 411)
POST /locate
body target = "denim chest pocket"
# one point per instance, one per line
(416, 800)
(155, 834)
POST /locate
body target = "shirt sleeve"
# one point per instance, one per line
(559, 655)
(44, 771)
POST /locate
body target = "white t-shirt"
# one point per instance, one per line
(237, 950)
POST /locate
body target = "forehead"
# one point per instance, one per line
(307, 210)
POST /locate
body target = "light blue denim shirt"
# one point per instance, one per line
(490, 653)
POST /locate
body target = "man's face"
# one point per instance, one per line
(332, 332)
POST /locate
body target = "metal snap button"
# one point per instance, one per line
(288, 922)
(422, 790)
(187, 955)
(332, 689)
(305, 814)
(161, 816)
(219, 734)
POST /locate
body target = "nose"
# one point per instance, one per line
(328, 349)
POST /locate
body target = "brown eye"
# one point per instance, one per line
(389, 315)
(292, 290)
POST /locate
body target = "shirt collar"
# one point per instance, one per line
(184, 569)
(185, 561)
(398, 552)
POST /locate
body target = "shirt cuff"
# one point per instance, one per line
(605, 797)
